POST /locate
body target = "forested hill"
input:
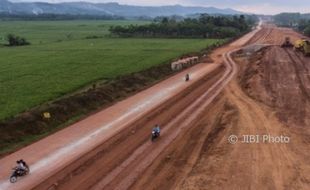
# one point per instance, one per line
(85, 8)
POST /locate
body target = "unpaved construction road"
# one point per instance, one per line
(259, 90)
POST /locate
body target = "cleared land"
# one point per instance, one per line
(270, 96)
(62, 60)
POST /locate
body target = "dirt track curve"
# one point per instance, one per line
(112, 149)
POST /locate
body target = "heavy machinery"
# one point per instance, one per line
(303, 46)
(287, 43)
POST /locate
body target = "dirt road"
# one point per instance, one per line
(202, 157)
(112, 149)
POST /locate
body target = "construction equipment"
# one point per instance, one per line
(287, 43)
(303, 46)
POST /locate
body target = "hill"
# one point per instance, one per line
(85, 8)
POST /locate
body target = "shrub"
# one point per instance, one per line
(16, 40)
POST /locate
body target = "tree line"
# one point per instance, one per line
(56, 17)
(205, 26)
(300, 22)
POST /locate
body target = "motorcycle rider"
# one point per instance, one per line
(21, 165)
(24, 163)
(20, 170)
(156, 129)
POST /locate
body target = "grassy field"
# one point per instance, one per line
(39, 32)
(55, 65)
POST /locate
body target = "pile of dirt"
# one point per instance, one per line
(280, 79)
(32, 123)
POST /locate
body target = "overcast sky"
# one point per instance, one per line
(253, 6)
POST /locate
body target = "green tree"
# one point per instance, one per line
(16, 40)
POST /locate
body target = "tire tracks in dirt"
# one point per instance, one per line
(252, 166)
(183, 120)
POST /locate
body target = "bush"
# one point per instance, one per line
(16, 40)
(307, 31)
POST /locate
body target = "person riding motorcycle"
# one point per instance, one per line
(156, 129)
(21, 169)
(187, 77)
(155, 132)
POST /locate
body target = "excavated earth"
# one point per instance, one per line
(270, 96)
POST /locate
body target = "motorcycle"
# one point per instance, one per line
(187, 77)
(17, 172)
(155, 135)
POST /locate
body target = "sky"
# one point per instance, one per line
(252, 6)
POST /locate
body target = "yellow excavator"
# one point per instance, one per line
(303, 45)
